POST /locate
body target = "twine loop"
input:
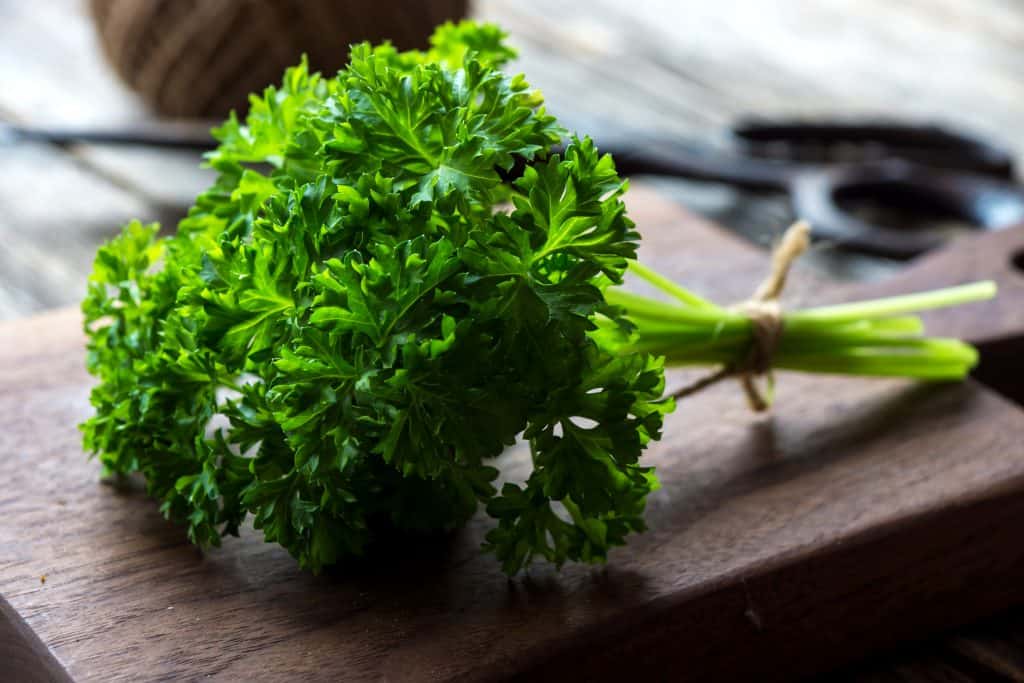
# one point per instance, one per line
(766, 317)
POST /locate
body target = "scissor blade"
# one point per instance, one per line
(168, 136)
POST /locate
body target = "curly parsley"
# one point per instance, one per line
(359, 315)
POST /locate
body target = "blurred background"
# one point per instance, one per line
(662, 69)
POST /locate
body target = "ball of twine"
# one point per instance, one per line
(202, 58)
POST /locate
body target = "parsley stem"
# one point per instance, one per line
(669, 287)
(898, 305)
(875, 337)
(640, 306)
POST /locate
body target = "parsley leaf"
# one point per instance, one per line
(360, 315)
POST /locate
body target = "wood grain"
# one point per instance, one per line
(682, 68)
(995, 256)
(690, 69)
(23, 657)
(860, 513)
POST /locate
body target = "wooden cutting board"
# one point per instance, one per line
(857, 514)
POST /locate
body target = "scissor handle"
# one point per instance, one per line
(839, 142)
(988, 203)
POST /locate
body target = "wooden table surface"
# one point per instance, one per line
(682, 68)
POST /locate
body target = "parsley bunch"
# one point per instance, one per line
(359, 315)
(362, 313)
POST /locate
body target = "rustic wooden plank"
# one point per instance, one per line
(69, 83)
(25, 657)
(59, 205)
(997, 256)
(987, 651)
(708, 62)
(690, 67)
(850, 518)
(661, 67)
(54, 215)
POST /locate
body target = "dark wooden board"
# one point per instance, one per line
(683, 68)
(859, 513)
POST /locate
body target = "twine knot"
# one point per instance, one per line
(765, 314)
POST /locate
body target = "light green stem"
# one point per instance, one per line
(875, 337)
(898, 305)
(671, 288)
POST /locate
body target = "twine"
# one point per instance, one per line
(189, 58)
(765, 314)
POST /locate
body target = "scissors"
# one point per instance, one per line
(823, 167)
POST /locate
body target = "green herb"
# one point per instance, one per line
(360, 315)
(876, 338)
